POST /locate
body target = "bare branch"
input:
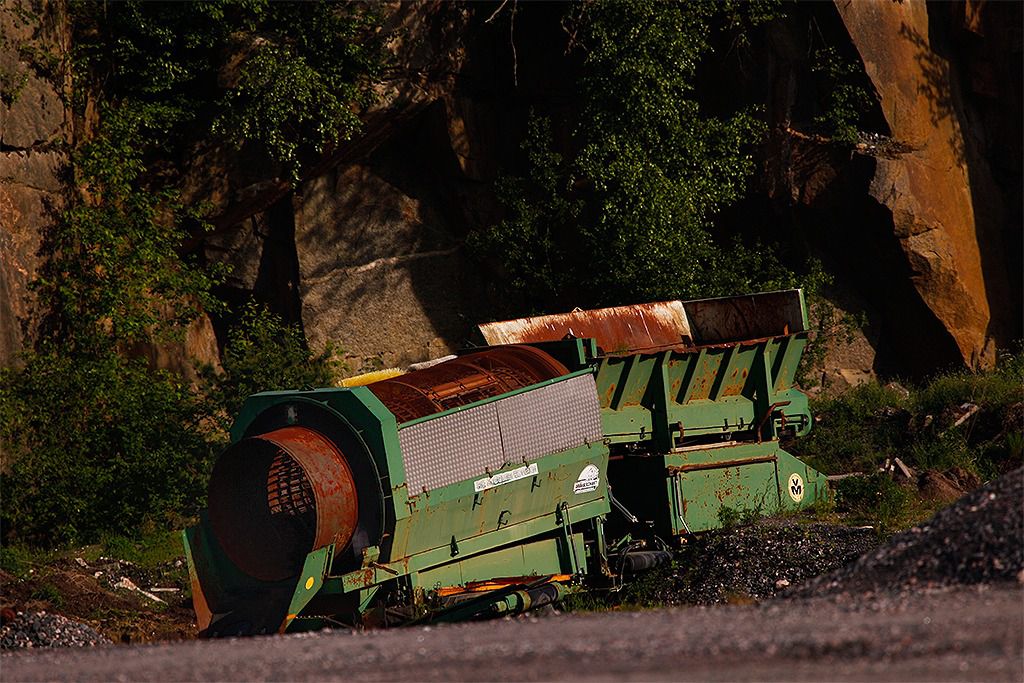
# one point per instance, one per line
(496, 12)
(512, 40)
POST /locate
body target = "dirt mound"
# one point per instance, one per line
(978, 540)
(751, 563)
(116, 598)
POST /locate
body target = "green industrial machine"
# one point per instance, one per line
(571, 449)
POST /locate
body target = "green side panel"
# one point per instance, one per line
(540, 558)
(382, 573)
(686, 491)
(666, 397)
(457, 513)
(378, 428)
(759, 478)
(310, 581)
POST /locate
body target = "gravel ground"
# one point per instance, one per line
(942, 601)
(977, 540)
(971, 633)
(750, 563)
(39, 629)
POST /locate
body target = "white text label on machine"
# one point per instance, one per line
(505, 477)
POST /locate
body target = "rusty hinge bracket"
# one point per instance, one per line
(677, 469)
(768, 414)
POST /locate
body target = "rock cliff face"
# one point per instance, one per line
(34, 125)
(922, 230)
(920, 223)
(946, 212)
(365, 252)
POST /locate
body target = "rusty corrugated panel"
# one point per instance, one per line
(619, 329)
(742, 318)
(664, 324)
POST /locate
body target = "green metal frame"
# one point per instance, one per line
(447, 536)
(687, 432)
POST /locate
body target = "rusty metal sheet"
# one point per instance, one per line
(748, 317)
(664, 324)
(617, 330)
(465, 379)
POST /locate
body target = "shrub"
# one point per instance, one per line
(625, 214)
(263, 353)
(855, 431)
(876, 499)
(859, 429)
(97, 445)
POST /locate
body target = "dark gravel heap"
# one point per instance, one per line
(750, 563)
(39, 629)
(977, 540)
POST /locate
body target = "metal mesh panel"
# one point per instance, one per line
(451, 448)
(512, 430)
(558, 417)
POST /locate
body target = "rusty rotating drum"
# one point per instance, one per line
(463, 380)
(277, 496)
(274, 497)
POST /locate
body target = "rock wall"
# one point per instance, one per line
(922, 230)
(920, 222)
(35, 125)
(36, 130)
(366, 252)
(953, 249)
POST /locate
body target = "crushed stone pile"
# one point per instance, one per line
(39, 629)
(978, 540)
(751, 563)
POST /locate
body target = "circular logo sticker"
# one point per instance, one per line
(796, 487)
(588, 480)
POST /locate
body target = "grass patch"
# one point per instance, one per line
(968, 420)
(958, 422)
(150, 551)
(19, 559)
(47, 592)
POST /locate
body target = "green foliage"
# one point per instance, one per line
(860, 429)
(11, 85)
(730, 517)
(100, 448)
(281, 75)
(531, 242)
(148, 551)
(301, 93)
(115, 275)
(829, 326)
(48, 593)
(875, 499)
(856, 431)
(846, 98)
(17, 559)
(627, 218)
(264, 354)
(97, 445)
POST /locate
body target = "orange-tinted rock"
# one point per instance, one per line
(931, 190)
